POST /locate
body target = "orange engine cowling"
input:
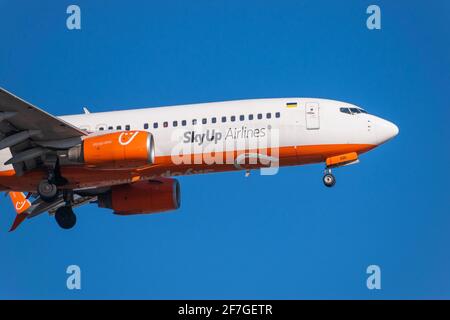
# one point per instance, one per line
(123, 149)
(142, 197)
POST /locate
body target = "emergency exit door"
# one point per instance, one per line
(312, 115)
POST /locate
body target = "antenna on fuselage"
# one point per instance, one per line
(86, 110)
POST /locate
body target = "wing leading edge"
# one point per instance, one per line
(30, 132)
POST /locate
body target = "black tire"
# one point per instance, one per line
(47, 191)
(65, 217)
(329, 180)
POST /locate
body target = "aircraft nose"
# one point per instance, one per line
(386, 130)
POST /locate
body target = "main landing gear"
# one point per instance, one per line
(64, 216)
(47, 188)
(48, 192)
(328, 179)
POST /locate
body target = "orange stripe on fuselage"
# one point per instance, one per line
(82, 177)
(7, 173)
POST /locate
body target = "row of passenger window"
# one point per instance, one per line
(213, 120)
(194, 122)
(127, 127)
(352, 110)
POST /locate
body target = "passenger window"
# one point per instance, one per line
(268, 115)
(175, 123)
(277, 115)
(101, 129)
(204, 121)
(110, 128)
(119, 127)
(259, 116)
(213, 120)
(194, 122)
(232, 118)
(345, 110)
(250, 117)
(155, 125)
(165, 124)
(145, 125)
(224, 119)
(127, 127)
(183, 123)
(241, 117)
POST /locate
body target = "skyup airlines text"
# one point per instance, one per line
(216, 136)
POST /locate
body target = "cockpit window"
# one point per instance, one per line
(345, 110)
(352, 110)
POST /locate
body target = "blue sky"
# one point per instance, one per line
(282, 236)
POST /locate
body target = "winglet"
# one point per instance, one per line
(21, 204)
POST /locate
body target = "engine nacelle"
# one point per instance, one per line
(142, 197)
(123, 149)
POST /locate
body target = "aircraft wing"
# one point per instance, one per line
(24, 116)
(29, 131)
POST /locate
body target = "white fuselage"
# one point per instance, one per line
(327, 125)
(298, 122)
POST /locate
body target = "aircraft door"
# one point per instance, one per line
(312, 113)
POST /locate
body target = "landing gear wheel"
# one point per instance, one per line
(65, 217)
(329, 180)
(47, 191)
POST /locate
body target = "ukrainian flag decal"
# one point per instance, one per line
(291, 105)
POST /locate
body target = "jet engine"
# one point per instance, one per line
(142, 197)
(123, 149)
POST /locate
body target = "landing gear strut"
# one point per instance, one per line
(64, 215)
(328, 179)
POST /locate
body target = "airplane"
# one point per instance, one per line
(127, 160)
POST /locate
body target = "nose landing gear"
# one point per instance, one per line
(328, 179)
